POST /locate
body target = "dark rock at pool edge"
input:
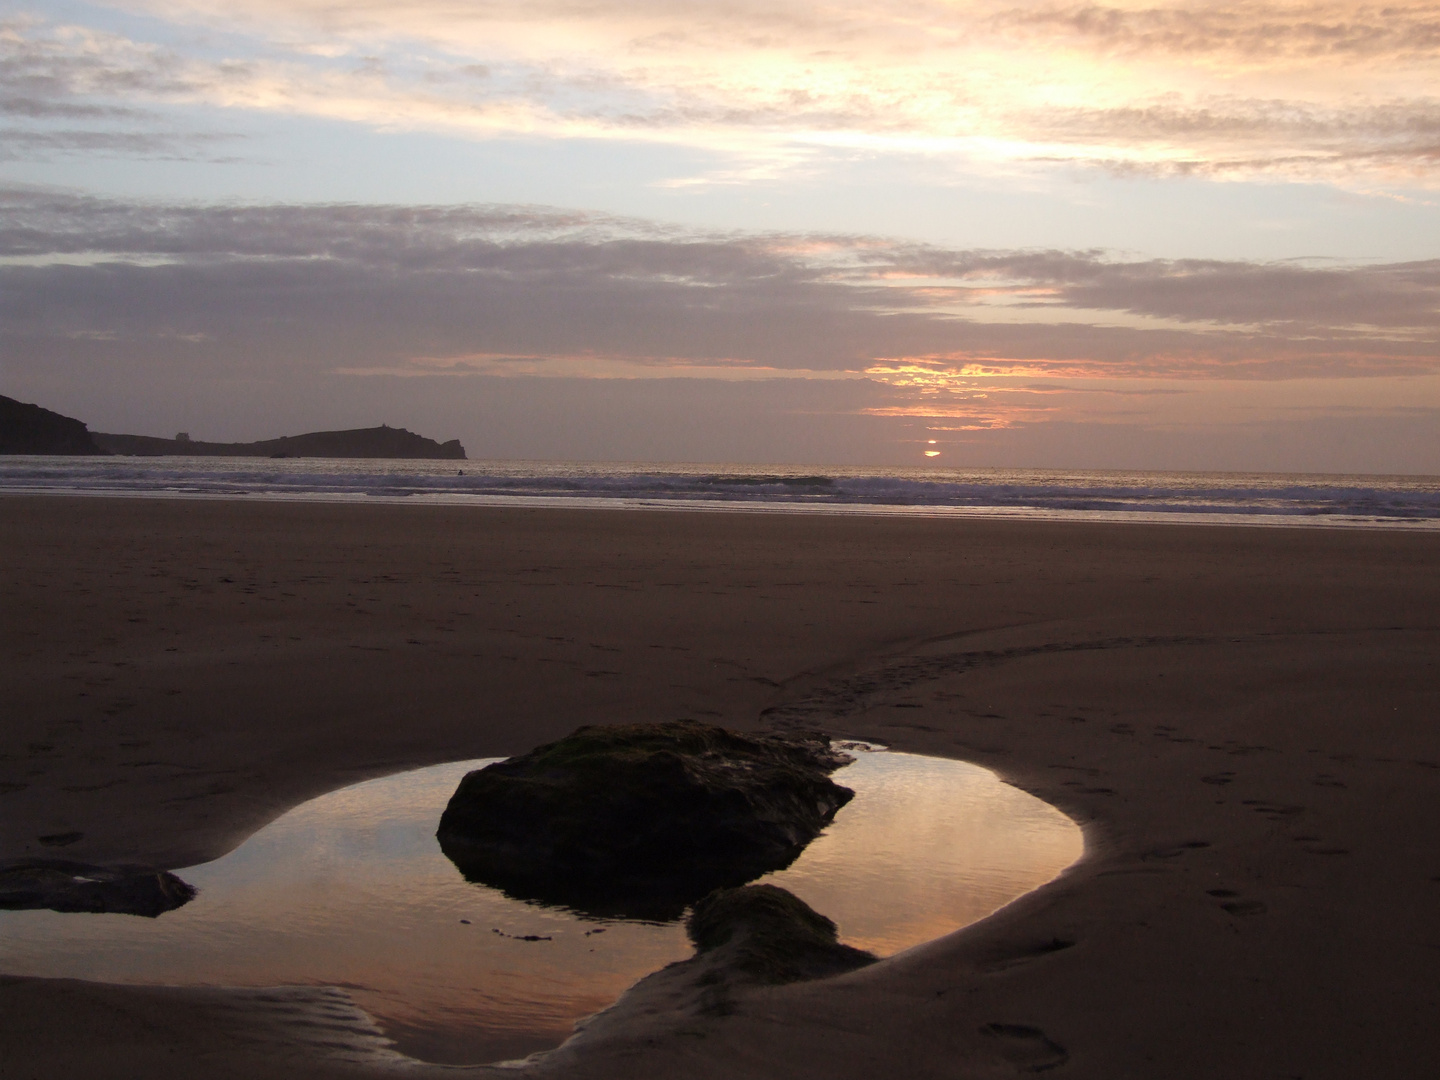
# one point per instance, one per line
(770, 935)
(745, 938)
(642, 820)
(57, 885)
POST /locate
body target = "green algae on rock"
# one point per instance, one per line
(642, 820)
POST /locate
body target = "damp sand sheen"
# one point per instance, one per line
(351, 890)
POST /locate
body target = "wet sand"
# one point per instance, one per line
(1244, 720)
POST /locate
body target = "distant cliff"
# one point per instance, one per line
(29, 429)
(376, 442)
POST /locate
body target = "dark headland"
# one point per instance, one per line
(32, 429)
(376, 442)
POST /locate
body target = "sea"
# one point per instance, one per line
(1274, 499)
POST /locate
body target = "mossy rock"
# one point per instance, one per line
(642, 820)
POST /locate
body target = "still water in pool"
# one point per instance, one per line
(351, 890)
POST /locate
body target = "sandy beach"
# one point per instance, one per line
(1244, 721)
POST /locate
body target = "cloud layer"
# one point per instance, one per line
(487, 279)
(429, 287)
(147, 301)
(1342, 92)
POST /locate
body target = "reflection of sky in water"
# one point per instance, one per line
(351, 889)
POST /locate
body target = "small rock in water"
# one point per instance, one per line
(520, 937)
(61, 885)
(642, 820)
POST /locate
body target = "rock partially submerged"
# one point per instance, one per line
(770, 935)
(642, 820)
(745, 939)
(58, 885)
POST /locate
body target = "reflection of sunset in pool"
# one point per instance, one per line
(351, 889)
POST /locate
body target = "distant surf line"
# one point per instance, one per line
(1268, 500)
(837, 510)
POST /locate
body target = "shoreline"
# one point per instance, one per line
(876, 510)
(1265, 693)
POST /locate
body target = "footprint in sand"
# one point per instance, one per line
(1244, 908)
(63, 839)
(1175, 851)
(1028, 1047)
(1026, 954)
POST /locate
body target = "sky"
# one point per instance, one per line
(1190, 235)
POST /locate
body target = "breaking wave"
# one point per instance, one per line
(1151, 496)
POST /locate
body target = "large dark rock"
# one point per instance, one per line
(30, 429)
(58, 885)
(642, 820)
(770, 935)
